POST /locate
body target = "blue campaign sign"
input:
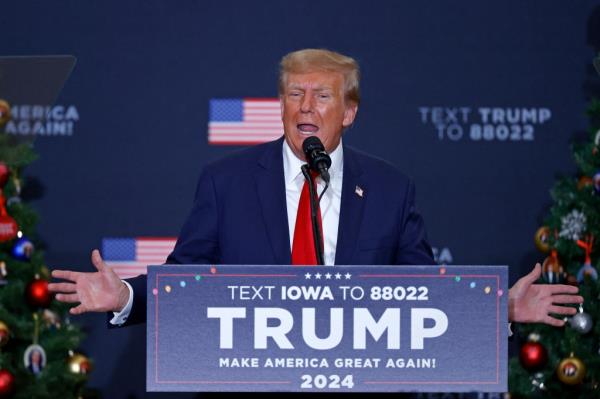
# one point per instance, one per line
(341, 328)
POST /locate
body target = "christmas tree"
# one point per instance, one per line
(36, 339)
(565, 362)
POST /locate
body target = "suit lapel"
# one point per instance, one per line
(351, 209)
(270, 187)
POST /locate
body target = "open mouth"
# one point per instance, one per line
(307, 128)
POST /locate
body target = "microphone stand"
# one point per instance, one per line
(314, 203)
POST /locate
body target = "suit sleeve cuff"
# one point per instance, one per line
(120, 318)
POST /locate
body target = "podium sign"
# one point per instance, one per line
(332, 329)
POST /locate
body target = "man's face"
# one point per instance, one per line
(313, 104)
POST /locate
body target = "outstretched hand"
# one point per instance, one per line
(99, 291)
(533, 303)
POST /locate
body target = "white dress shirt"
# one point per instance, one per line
(330, 203)
(294, 181)
(121, 317)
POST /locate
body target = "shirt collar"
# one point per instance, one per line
(292, 164)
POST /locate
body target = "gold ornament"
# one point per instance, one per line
(541, 239)
(79, 364)
(16, 182)
(4, 112)
(44, 273)
(584, 181)
(4, 334)
(571, 371)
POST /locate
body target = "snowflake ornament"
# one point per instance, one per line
(573, 225)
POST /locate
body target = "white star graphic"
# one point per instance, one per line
(338, 276)
(307, 276)
(347, 275)
(328, 276)
(318, 276)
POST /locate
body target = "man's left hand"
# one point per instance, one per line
(533, 303)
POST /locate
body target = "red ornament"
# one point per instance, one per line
(38, 294)
(533, 355)
(7, 383)
(8, 226)
(4, 172)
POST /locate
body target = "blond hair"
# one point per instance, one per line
(312, 60)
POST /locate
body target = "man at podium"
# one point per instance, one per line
(253, 206)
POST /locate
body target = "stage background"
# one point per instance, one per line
(146, 71)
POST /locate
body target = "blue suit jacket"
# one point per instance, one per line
(239, 216)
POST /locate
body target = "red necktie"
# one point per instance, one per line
(303, 247)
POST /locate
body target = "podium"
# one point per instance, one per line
(327, 329)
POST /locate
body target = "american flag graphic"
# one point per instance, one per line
(129, 257)
(237, 121)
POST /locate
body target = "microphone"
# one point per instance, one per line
(317, 157)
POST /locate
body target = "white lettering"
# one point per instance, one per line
(418, 332)
(262, 331)
(336, 329)
(389, 320)
(226, 316)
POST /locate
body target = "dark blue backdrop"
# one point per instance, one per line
(147, 69)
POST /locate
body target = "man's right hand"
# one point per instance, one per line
(100, 291)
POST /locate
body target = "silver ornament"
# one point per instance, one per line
(537, 385)
(13, 200)
(534, 337)
(538, 375)
(581, 322)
